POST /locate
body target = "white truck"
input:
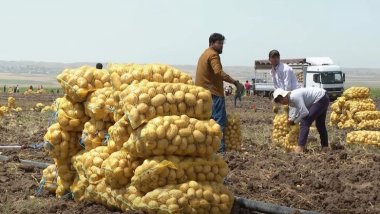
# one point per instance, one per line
(318, 72)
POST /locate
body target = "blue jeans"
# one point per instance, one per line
(219, 115)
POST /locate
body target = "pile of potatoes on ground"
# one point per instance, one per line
(137, 137)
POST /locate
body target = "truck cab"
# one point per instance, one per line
(321, 72)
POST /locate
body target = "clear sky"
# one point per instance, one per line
(176, 32)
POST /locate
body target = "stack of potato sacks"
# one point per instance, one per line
(232, 133)
(138, 137)
(355, 110)
(284, 134)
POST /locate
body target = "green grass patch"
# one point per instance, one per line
(375, 92)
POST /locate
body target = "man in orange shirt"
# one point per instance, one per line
(210, 75)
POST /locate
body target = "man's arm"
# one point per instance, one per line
(218, 70)
(289, 78)
(301, 110)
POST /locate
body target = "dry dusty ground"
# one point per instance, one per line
(343, 180)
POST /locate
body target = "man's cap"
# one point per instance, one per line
(280, 92)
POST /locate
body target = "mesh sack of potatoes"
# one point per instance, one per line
(147, 100)
(366, 115)
(347, 124)
(284, 134)
(119, 133)
(369, 125)
(3, 110)
(101, 193)
(189, 197)
(118, 112)
(17, 109)
(66, 175)
(49, 178)
(39, 107)
(356, 92)
(124, 75)
(119, 168)
(71, 116)
(78, 83)
(338, 104)
(232, 133)
(353, 106)
(92, 163)
(78, 188)
(61, 144)
(334, 118)
(101, 104)
(364, 137)
(175, 135)
(11, 102)
(160, 171)
(95, 133)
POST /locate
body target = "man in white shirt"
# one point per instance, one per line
(310, 105)
(282, 74)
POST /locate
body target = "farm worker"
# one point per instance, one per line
(282, 74)
(310, 104)
(239, 93)
(99, 65)
(247, 88)
(210, 75)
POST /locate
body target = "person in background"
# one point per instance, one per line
(99, 65)
(31, 87)
(310, 105)
(57, 90)
(210, 75)
(5, 88)
(239, 93)
(247, 86)
(282, 74)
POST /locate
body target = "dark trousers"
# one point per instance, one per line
(219, 115)
(237, 97)
(317, 113)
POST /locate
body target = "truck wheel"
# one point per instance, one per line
(271, 95)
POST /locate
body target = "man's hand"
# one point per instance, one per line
(291, 122)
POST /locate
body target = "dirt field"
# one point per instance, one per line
(343, 180)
